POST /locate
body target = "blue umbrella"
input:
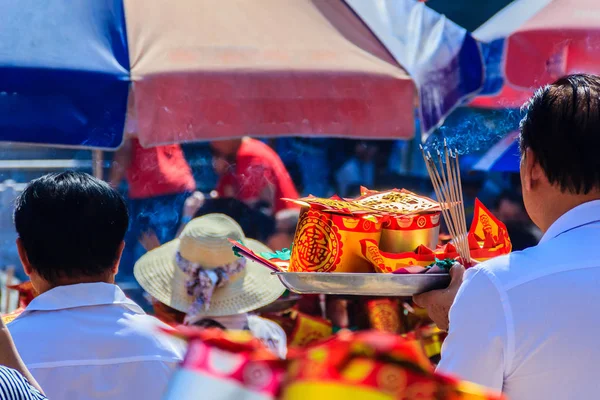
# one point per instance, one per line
(64, 72)
(502, 157)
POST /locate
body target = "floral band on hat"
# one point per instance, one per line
(201, 283)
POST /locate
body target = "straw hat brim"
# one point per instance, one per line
(158, 274)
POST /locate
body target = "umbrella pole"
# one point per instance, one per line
(97, 161)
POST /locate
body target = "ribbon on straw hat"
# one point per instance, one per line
(201, 282)
(199, 274)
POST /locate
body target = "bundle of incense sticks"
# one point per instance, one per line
(445, 176)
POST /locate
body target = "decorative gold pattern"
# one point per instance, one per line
(398, 202)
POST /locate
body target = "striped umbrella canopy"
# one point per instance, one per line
(76, 73)
(71, 72)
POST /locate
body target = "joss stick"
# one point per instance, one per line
(451, 195)
(460, 227)
(436, 187)
(463, 218)
(452, 182)
(444, 198)
(448, 189)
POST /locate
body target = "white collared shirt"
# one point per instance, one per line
(83, 342)
(528, 323)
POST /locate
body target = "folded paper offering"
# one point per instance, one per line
(396, 202)
(373, 366)
(348, 243)
(333, 204)
(302, 329)
(487, 238)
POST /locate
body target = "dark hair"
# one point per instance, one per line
(562, 128)
(71, 225)
(208, 323)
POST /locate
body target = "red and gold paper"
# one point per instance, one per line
(327, 242)
(430, 338)
(372, 366)
(384, 315)
(227, 365)
(489, 229)
(308, 330)
(487, 237)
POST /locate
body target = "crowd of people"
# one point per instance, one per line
(514, 323)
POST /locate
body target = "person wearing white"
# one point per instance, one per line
(83, 342)
(81, 336)
(525, 323)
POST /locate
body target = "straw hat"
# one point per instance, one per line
(205, 241)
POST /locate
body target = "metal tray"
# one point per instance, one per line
(362, 284)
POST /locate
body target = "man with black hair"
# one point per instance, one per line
(78, 336)
(525, 323)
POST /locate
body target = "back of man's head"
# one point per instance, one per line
(562, 129)
(70, 225)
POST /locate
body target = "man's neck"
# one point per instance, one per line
(561, 203)
(42, 286)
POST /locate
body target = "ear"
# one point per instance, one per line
(531, 170)
(23, 256)
(115, 268)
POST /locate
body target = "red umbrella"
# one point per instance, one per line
(546, 39)
(508, 97)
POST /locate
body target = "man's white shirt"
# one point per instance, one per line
(528, 323)
(84, 342)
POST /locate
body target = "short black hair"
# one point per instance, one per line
(208, 323)
(71, 225)
(562, 128)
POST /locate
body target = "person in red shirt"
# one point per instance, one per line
(159, 180)
(252, 172)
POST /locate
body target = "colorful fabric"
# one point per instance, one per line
(201, 282)
(230, 365)
(373, 366)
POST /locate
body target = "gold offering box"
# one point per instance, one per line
(329, 231)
